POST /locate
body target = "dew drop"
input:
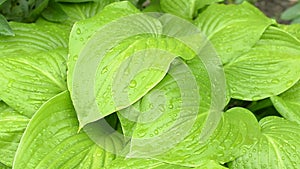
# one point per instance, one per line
(78, 31)
(104, 70)
(132, 84)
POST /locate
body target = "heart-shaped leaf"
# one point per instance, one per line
(52, 140)
(278, 147)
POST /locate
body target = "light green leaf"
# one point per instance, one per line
(34, 37)
(126, 64)
(278, 147)
(4, 27)
(79, 38)
(259, 73)
(52, 141)
(203, 3)
(28, 79)
(288, 103)
(12, 126)
(80, 11)
(168, 127)
(293, 29)
(121, 163)
(232, 29)
(182, 8)
(2, 166)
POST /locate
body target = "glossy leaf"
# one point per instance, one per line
(277, 148)
(151, 126)
(182, 8)
(185, 8)
(52, 140)
(232, 29)
(80, 11)
(136, 163)
(259, 73)
(288, 103)
(30, 79)
(12, 126)
(33, 38)
(125, 66)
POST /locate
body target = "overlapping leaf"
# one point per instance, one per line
(69, 13)
(12, 126)
(138, 50)
(51, 140)
(259, 73)
(185, 8)
(174, 112)
(288, 103)
(252, 53)
(121, 163)
(277, 148)
(232, 29)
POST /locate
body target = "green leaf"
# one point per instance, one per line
(4, 27)
(288, 103)
(203, 3)
(12, 126)
(2, 166)
(182, 8)
(259, 73)
(29, 79)
(54, 13)
(51, 140)
(232, 29)
(278, 147)
(121, 163)
(126, 64)
(291, 13)
(34, 37)
(293, 29)
(73, 12)
(33, 67)
(168, 111)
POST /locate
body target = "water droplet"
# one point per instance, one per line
(132, 84)
(156, 132)
(104, 70)
(275, 81)
(78, 31)
(171, 106)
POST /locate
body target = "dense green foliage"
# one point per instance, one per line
(199, 85)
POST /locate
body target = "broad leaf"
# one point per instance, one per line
(30, 79)
(182, 8)
(34, 37)
(121, 163)
(52, 140)
(12, 126)
(69, 13)
(125, 65)
(4, 27)
(185, 8)
(288, 103)
(33, 67)
(259, 73)
(167, 122)
(278, 147)
(232, 29)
